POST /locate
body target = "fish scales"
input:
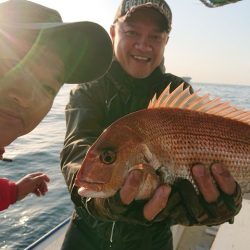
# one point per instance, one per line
(171, 140)
(194, 137)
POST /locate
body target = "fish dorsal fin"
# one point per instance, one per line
(157, 102)
(183, 99)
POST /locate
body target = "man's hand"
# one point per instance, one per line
(205, 183)
(32, 183)
(131, 187)
(218, 201)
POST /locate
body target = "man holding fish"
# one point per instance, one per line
(125, 219)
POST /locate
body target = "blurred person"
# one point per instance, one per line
(38, 54)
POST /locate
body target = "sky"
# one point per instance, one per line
(211, 45)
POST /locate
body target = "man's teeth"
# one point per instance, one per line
(141, 58)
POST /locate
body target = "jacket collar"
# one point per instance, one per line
(126, 83)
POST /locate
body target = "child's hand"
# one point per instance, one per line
(32, 183)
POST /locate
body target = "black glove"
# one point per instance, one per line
(184, 207)
(187, 208)
(112, 209)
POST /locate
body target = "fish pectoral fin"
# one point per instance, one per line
(149, 157)
(149, 182)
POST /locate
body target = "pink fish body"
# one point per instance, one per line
(175, 132)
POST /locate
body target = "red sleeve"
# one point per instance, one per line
(8, 193)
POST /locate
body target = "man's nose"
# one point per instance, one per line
(22, 93)
(143, 44)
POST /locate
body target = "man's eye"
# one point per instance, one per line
(156, 38)
(51, 91)
(131, 33)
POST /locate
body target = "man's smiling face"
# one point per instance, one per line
(139, 42)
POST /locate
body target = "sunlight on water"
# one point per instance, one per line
(23, 220)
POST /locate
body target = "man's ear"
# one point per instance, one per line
(167, 39)
(112, 31)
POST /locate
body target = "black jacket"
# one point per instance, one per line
(93, 107)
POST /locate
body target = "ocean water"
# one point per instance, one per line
(29, 219)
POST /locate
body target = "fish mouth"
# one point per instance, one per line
(94, 186)
(91, 190)
(88, 181)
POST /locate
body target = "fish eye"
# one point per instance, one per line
(108, 156)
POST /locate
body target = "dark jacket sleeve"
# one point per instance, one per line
(84, 116)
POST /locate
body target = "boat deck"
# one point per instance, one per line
(53, 239)
(224, 237)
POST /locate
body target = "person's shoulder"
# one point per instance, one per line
(89, 92)
(95, 85)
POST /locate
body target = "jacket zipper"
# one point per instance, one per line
(111, 234)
